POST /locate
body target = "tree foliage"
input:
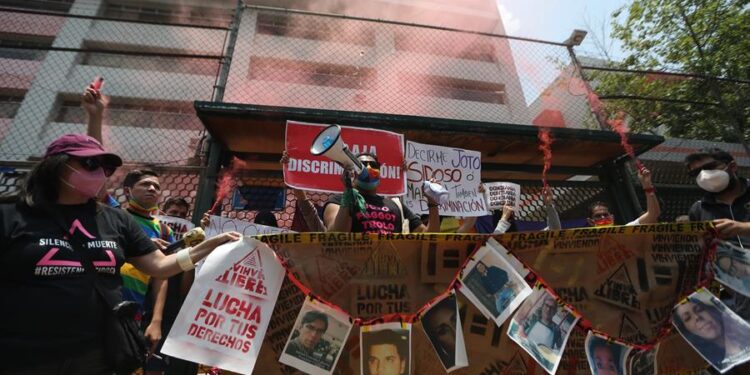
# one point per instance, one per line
(702, 37)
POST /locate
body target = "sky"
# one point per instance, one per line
(554, 20)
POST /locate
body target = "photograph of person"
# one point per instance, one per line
(315, 343)
(493, 285)
(719, 335)
(542, 327)
(605, 357)
(642, 362)
(732, 267)
(386, 349)
(443, 328)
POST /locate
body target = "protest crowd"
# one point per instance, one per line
(86, 275)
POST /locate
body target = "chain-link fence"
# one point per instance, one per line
(286, 58)
(155, 62)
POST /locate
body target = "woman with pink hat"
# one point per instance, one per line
(61, 254)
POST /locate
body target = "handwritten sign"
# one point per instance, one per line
(457, 169)
(220, 225)
(308, 172)
(179, 226)
(499, 194)
(224, 319)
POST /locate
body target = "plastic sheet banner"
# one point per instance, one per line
(624, 282)
(224, 318)
(179, 226)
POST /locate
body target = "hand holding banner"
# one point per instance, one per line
(457, 169)
(309, 172)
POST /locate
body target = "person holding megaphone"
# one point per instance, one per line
(361, 209)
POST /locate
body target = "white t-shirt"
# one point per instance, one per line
(541, 335)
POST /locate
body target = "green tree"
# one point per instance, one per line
(701, 37)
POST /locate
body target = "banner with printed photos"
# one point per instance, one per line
(541, 327)
(370, 276)
(385, 349)
(317, 340)
(720, 336)
(493, 285)
(441, 323)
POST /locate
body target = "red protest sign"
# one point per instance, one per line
(308, 172)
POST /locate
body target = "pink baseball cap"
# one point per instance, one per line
(82, 146)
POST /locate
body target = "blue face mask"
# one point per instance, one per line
(369, 179)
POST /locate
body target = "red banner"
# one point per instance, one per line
(319, 173)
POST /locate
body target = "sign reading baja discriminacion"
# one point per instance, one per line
(499, 194)
(225, 316)
(308, 172)
(179, 226)
(457, 169)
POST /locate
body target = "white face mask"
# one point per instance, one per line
(713, 181)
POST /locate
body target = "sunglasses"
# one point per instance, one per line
(705, 167)
(371, 163)
(93, 163)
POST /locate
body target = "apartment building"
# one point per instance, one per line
(150, 116)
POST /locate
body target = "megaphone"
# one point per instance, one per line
(330, 144)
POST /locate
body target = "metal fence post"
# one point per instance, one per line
(207, 183)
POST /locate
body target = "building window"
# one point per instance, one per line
(453, 88)
(186, 65)
(62, 6)
(14, 46)
(455, 45)
(310, 73)
(315, 28)
(169, 13)
(151, 114)
(9, 105)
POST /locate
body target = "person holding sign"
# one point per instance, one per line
(600, 216)
(62, 255)
(367, 212)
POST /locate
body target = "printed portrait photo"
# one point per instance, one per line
(442, 326)
(732, 267)
(719, 335)
(493, 285)
(386, 349)
(315, 344)
(542, 327)
(605, 357)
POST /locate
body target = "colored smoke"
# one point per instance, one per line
(545, 146)
(224, 186)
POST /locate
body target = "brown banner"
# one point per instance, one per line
(623, 280)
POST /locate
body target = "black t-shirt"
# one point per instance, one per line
(382, 215)
(51, 308)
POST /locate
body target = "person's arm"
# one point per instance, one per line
(334, 218)
(553, 218)
(93, 104)
(730, 228)
(653, 210)
(153, 331)
(433, 210)
(504, 224)
(309, 213)
(468, 225)
(156, 264)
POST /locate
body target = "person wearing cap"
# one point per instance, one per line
(54, 235)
